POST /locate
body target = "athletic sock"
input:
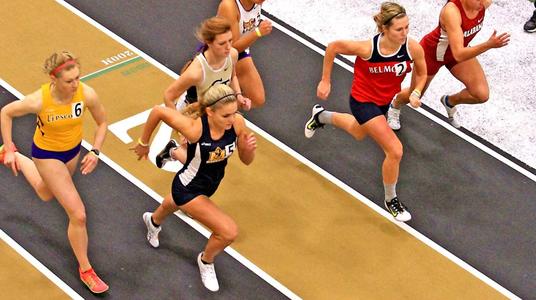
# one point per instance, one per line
(171, 153)
(447, 102)
(204, 262)
(390, 191)
(325, 117)
(152, 222)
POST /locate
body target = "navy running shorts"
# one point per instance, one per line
(365, 111)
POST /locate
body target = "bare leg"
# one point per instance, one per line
(250, 81)
(402, 97)
(28, 169)
(378, 129)
(348, 123)
(165, 209)
(224, 229)
(476, 90)
(57, 177)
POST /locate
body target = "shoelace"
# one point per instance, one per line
(397, 206)
(92, 279)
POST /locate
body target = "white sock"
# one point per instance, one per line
(390, 191)
(325, 117)
(171, 153)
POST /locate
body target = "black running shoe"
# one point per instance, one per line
(530, 26)
(398, 210)
(163, 157)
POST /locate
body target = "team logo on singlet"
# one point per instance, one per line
(473, 30)
(220, 154)
(399, 69)
(220, 81)
(249, 25)
(76, 112)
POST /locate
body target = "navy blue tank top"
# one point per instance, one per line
(206, 159)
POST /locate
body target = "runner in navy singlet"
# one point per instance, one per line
(212, 138)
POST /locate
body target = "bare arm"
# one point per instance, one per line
(99, 115)
(451, 21)
(247, 143)
(30, 104)
(419, 72)
(229, 10)
(191, 77)
(235, 85)
(190, 128)
(89, 162)
(359, 48)
(244, 102)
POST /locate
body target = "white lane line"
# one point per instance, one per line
(287, 149)
(432, 117)
(39, 266)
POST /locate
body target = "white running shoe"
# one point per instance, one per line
(208, 274)
(393, 118)
(397, 210)
(313, 123)
(152, 231)
(451, 112)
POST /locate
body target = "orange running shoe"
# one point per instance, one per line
(92, 281)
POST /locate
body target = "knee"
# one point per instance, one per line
(395, 152)
(229, 233)
(42, 192)
(481, 95)
(169, 204)
(257, 100)
(78, 217)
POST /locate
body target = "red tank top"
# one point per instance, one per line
(438, 38)
(378, 78)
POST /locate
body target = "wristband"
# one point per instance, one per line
(416, 93)
(95, 152)
(258, 31)
(141, 143)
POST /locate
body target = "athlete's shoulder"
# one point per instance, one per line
(90, 95)
(239, 124)
(194, 70)
(450, 15)
(228, 8)
(234, 53)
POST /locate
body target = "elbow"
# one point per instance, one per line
(457, 56)
(247, 160)
(169, 97)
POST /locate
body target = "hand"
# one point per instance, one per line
(414, 101)
(498, 41)
(265, 27)
(247, 142)
(141, 151)
(10, 161)
(88, 164)
(244, 102)
(323, 89)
